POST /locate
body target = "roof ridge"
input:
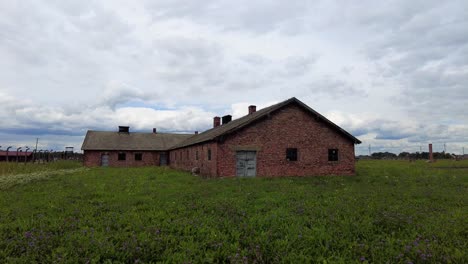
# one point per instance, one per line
(243, 121)
(113, 140)
(138, 132)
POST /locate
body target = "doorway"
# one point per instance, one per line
(162, 159)
(105, 160)
(246, 164)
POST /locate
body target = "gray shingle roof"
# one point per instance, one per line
(248, 119)
(103, 140)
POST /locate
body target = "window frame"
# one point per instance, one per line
(292, 154)
(140, 155)
(333, 157)
(119, 157)
(209, 154)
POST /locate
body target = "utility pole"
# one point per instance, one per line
(444, 148)
(463, 151)
(35, 151)
(369, 150)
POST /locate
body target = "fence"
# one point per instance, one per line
(38, 156)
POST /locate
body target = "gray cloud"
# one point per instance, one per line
(398, 68)
(259, 16)
(424, 54)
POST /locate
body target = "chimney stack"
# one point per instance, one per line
(196, 132)
(124, 129)
(431, 157)
(227, 119)
(252, 109)
(216, 121)
(154, 131)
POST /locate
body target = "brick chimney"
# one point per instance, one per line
(252, 109)
(431, 157)
(216, 121)
(124, 129)
(154, 131)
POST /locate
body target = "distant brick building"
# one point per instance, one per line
(13, 156)
(128, 149)
(286, 139)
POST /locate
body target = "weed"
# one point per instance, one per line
(390, 212)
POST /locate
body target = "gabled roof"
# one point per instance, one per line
(103, 140)
(237, 124)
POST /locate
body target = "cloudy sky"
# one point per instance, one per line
(395, 75)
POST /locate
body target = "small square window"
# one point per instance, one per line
(332, 154)
(209, 154)
(122, 156)
(291, 154)
(138, 156)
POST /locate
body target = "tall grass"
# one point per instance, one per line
(390, 212)
(10, 168)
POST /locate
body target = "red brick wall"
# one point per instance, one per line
(180, 160)
(92, 158)
(290, 127)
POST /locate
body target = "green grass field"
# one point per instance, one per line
(390, 212)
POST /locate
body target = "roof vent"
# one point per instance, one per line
(227, 119)
(124, 129)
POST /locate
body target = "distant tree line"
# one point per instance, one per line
(408, 155)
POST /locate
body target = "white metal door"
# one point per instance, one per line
(246, 164)
(105, 160)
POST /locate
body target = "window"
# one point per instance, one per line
(332, 154)
(196, 155)
(291, 154)
(209, 154)
(122, 156)
(138, 156)
(188, 154)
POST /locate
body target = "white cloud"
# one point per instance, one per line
(394, 70)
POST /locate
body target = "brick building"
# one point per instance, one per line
(13, 156)
(128, 149)
(285, 139)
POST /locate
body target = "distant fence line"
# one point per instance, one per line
(39, 156)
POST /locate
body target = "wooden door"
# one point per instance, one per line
(246, 164)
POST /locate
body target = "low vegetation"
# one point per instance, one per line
(13, 173)
(10, 168)
(390, 212)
